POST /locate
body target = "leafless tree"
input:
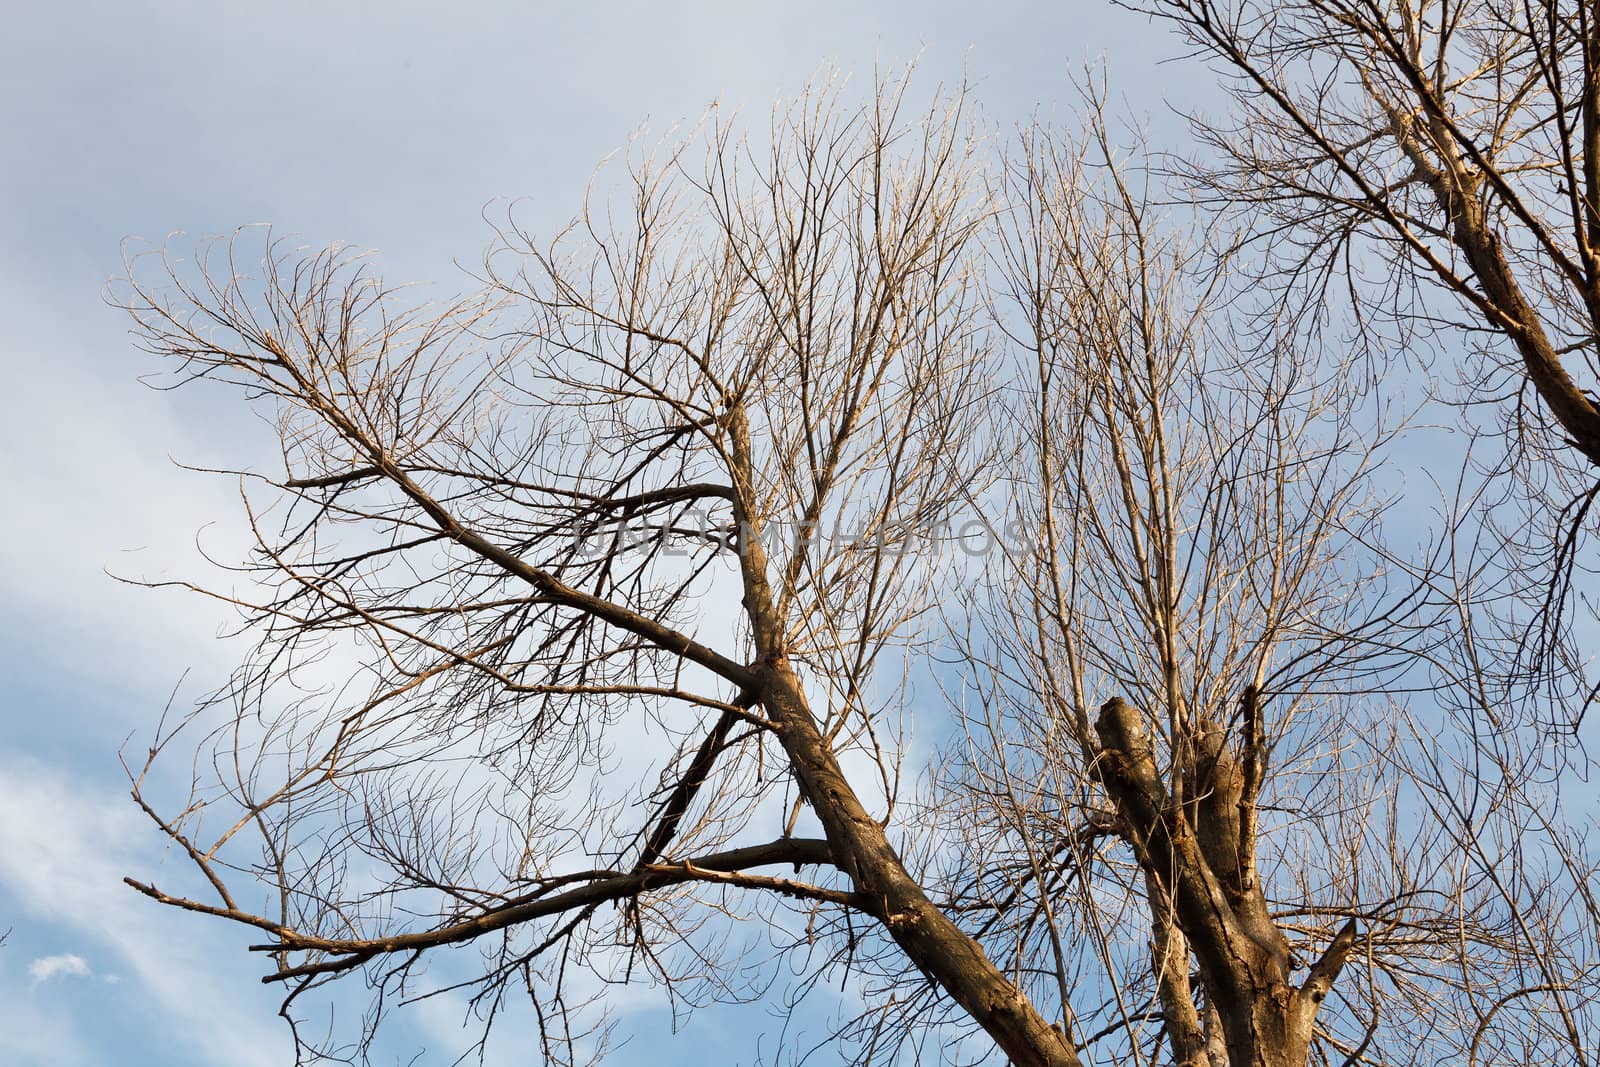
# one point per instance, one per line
(1438, 163)
(1436, 166)
(581, 611)
(1462, 135)
(1271, 801)
(582, 530)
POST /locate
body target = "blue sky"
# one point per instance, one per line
(386, 125)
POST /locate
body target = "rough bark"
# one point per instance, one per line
(1198, 863)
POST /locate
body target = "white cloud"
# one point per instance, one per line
(47, 967)
(64, 847)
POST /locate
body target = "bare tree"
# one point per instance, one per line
(1388, 153)
(582, 606)
(1196, 507)
(580, 528)
(1438, 164)
(1271, 801)
(1463, 137)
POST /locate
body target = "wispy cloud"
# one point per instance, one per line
(66, 965)
(64, 846)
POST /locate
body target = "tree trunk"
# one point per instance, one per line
(1198, 859)
(939, 948)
